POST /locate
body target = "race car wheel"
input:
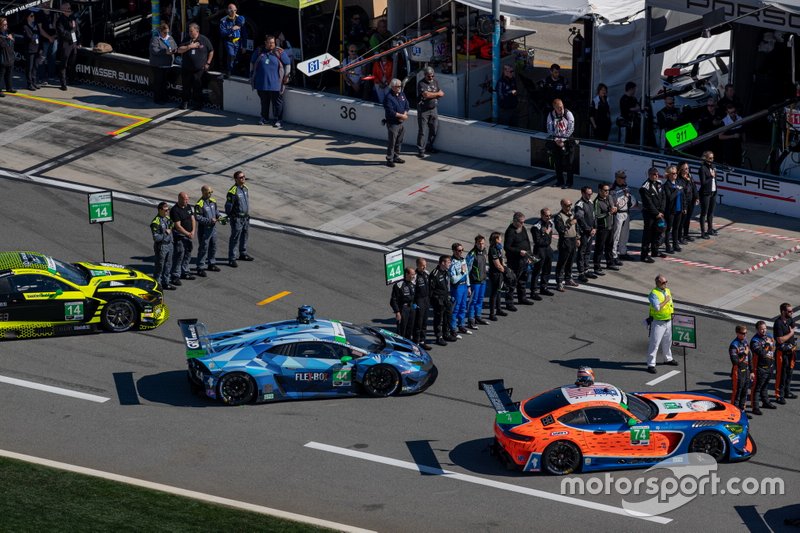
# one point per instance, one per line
(560, 458)
(119, 315)
(381, 381)
(710, 442)
(236, 388)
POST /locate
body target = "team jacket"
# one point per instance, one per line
(159, 227)
(653, 200)
(205, 211)
(476, 261)
(456, 276)
(739, 353)
(422, 289)
(402, 295)
(237, 203)
(439, 283)
(541, 239)
(602, 212)
(763, 351)
(584, 214)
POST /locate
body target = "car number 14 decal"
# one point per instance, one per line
(73, 310)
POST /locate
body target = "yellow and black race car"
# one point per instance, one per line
(42, 297)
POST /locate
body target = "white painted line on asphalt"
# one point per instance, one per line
(759, 286)
(765, 255)
(54, 390)
(665, 377)
(487, 482)
(208, 498)
(49, 120)
(167, 116)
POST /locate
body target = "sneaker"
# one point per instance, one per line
(646, 259)
(535, 297)
(425, 346)
(421, 155)
(590, 275)
(546, 292)
(451, 338)
(263, 122)
(668, 250)
(399, 160)
(705, 236)
(757, 411)
(714, 232)
(780, 401)
(652, 369)
(278, 124)
(500, 312)
(471, 325)
(176, 282)
(201, 272)
(677, 248)
(511, 307)
(465, 331)
(390, 164)
(572, 283)
(245, 257)
(791, 395)
(481, 321)
(213, 268)
(583, 279)
(599, 272)
(188, 277)
(560, 287)
(672, 362)
(233, 264)
(441, 342)
(64, 88)
(617, 262)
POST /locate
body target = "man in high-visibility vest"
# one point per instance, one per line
(661, 309)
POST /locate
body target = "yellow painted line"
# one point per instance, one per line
(274, 297)
(139, 120)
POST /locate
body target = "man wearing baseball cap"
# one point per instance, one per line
(622, 198)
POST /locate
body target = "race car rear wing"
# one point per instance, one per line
(500, 398)
(195, 335)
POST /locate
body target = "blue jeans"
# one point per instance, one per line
(459, 293)
(475, 308)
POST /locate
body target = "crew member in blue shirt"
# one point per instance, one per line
(270, 68)
(459, 289)
(396, 107)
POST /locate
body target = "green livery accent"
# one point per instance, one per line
(514, 417)
(191, 354)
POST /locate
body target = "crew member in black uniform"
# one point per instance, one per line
(161, 228)
(586, 230)
(667, 119)
(182, 215)
(499, 276)
(518, 254)
(68, 43)
(542, 236)
(439, 283)
(566, 225)
(707, 119)
(604, 211)
(422, 298)
(197, 55)
(708, 195)
(762, 347)
(630, 111)
(742, 370)
(402, 302)
(653, 205)
(786, 343)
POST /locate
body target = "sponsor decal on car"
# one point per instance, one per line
(672, 405)
(310, 376)
(558, 433)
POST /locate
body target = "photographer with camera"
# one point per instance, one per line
(566, 226)
(560, 126)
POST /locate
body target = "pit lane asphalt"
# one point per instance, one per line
(153, 429)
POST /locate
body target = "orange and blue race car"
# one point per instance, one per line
(600, 427)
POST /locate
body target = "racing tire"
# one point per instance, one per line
(711, 443)
(561, 458)
(119, 315)
(236, 388)
(381, 381)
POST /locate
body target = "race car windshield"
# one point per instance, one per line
(71, 272)
(640, 408)
(364, 338)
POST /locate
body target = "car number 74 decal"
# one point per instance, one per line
(640, 435)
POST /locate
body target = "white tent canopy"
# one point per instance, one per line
(563, 11)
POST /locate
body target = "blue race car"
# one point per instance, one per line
(303, 358)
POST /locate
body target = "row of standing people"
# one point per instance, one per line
(175, 228)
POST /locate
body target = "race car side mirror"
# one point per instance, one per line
(346, 359)
(632, 422)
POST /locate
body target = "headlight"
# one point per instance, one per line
(736, 429)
